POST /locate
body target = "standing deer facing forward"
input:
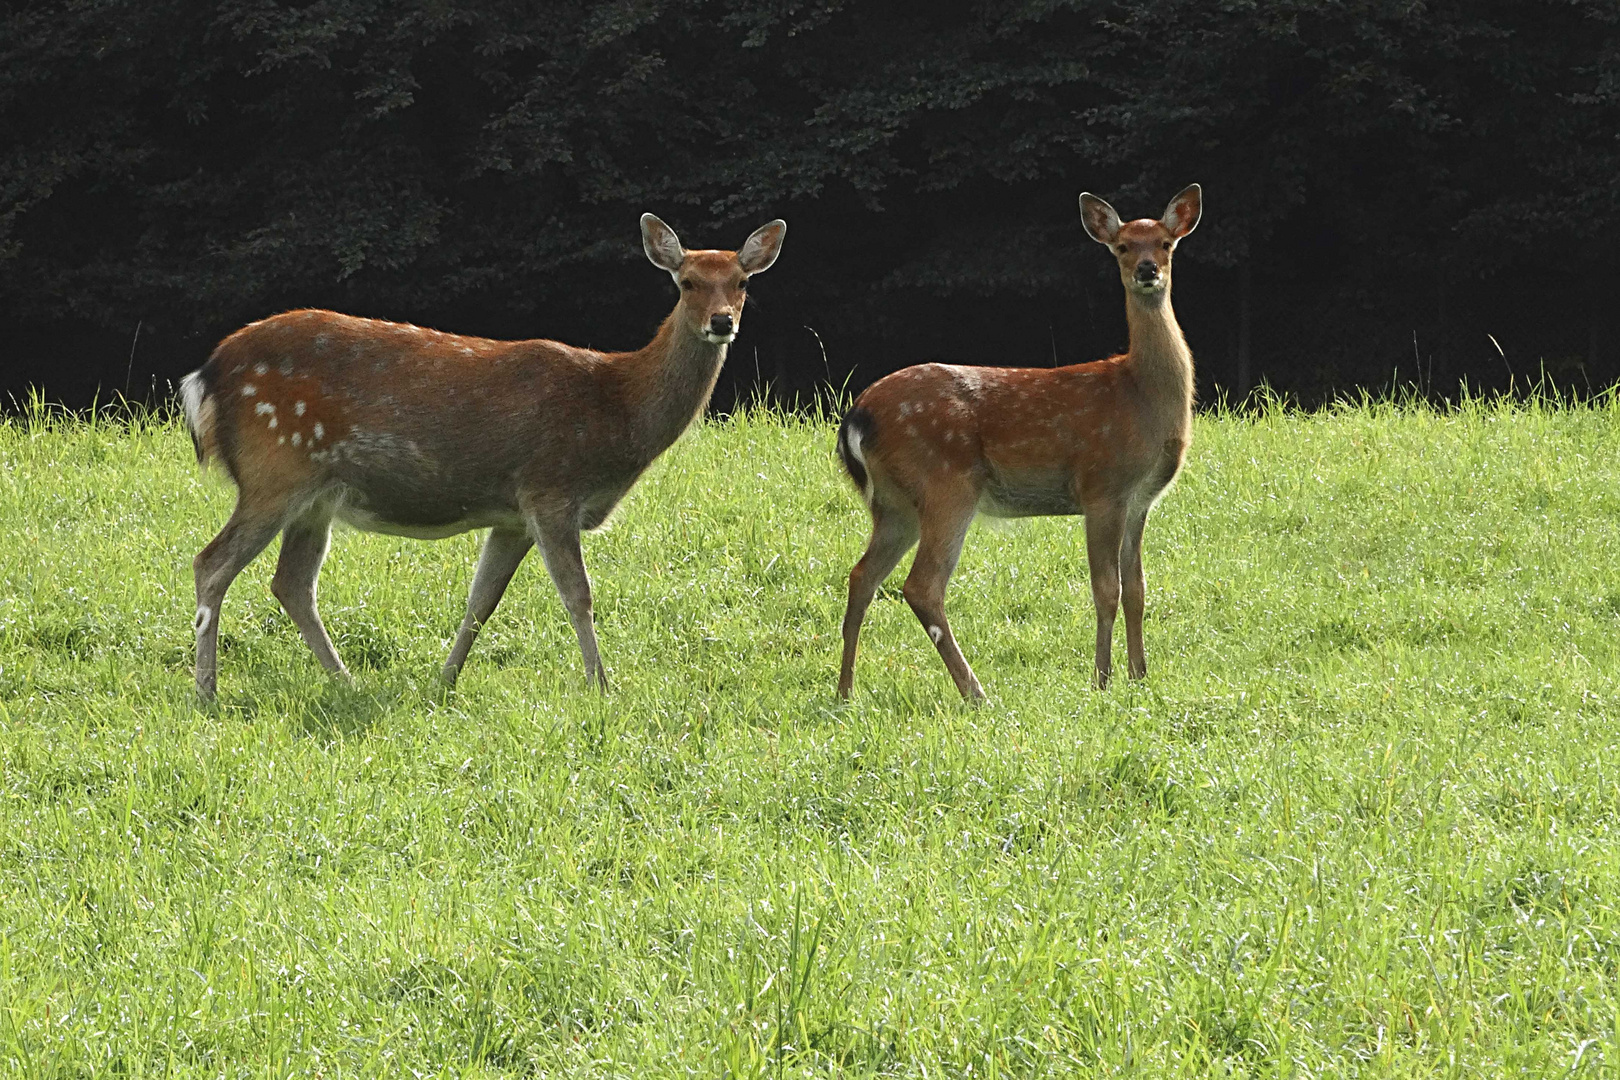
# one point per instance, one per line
(931, 446)
(397, 429)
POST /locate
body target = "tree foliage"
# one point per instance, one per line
(1378, 169)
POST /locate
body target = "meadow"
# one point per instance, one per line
(1358, 821)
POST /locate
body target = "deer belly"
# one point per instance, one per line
(426, 513)
(405, 489)
(1028, 494)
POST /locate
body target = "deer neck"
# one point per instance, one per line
(670, 382)
(1159, 354)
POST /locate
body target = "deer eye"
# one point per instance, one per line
(686, 286)
(743, 284)
(1167, 245)
(1122, 249)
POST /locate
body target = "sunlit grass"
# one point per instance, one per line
(1358, 821)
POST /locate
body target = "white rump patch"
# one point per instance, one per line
(205, 615)
(935, 633)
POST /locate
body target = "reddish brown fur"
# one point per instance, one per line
(399, 429)
(935, 444)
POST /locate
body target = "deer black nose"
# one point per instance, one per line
(1147, 271)
(720, 324)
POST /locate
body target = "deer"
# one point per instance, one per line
(389, 427)
(932, 446)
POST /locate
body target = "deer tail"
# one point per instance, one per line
(199, 412)
(856, 429)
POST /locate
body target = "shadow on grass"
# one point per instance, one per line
(319, 706)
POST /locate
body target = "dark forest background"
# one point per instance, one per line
(1389, 186)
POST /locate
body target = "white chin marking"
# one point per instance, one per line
(718, 339)
(204, 617)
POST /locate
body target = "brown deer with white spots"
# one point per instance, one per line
(931, 446)
(397, 429)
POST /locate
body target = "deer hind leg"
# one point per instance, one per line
(944, 526)
(504, 550)
(894, 531)
(559, 547)
(1133, 592)
(248, 532)
(303, 549)
(1105, 533)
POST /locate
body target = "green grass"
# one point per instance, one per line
(1359, 821)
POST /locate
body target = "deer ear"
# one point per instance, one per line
(661, 244)
(760, 250)
(1100, 220)
(1181, 216)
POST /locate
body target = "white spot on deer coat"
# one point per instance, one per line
(320, 432)
(264, 408)
(297, 439)
(249, 390)
(261, 368)
(298, 409)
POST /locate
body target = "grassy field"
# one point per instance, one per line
(1359, 821)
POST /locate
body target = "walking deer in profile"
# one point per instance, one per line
(398, 429)
(933, 445)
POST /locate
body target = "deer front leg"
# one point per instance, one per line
(559, 547)
(1105, 532)
(1134, 594)
(503, 552)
